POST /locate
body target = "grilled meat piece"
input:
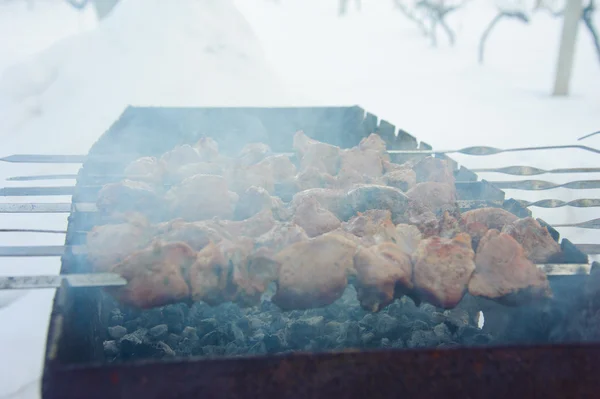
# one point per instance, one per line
(257, 199)
(504, 274)
(109, 244)
(255, 226)
(127, 196)
(253, 153)
(403, 179)
(195, 234)
(207, 148)
(371, 196)
(442, 269)
(201, 197)
(280, 236)
(282, 168)
(347, 178)
(367, 223)
(312, 177)
(374, 142)
(155, 275)
(192, 169)
(492, 218)
(449, 225)
(324, 157)
(408, 238)
(178, 157)
(332, 200)
(538, 244)
(383, 272)
(241, 178)
(367, 162)
(314, 219)
(313, 273)
(434, 170)
(423, 218)
(146, 169)
(437, 197)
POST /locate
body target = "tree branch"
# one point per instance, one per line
(588, 19)
(502, 14)
(80, 5)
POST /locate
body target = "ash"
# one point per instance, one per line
(228, 330)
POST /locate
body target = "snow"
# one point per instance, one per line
(293, 52)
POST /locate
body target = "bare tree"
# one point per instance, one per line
(343, 6)
(501, 15)
(102, 7)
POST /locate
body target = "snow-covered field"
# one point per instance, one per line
(202, 52)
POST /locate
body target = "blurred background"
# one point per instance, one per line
(453, 73)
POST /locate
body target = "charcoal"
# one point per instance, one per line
(243, 324)
(302, 331)
(385, 343)
(213, 350)
(116, 317)
(479, 340)
(236, 333)
(419, 325)
(117, 332)
(398, 344)
(132, 325)
(467, 332)
(111, 349)
(163, 350)
(368, 321)
(174, 316)
(190, 333)
(214, 338)
(159, 332)
(422, 339)
(258, 349)
(450, 344)
(367, 340)
(333, 329)
(274, 342)
(207, 325)
(352, 337)
(388, 327)
(232, 349)
(138, 345)
(151, 318)
(442, 332)
(173, 340)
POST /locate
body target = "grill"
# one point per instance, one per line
(540, 352)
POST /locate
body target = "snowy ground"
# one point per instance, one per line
(195, 53)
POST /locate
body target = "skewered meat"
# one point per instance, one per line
(178, 157)
(419, 215)
(313, 273)
(348, 177)
(324, 157)
(192, 169)
(332, 200)
(312, 177)
(408, 238)
(201, 197)
(255, 226)
(195, 234)
(434, 170)
(492, 218)
(155, 275)
(442, 269)
(241, 178)
(367, 223)
(538, 244)
(374, 142)
(315, 219)
(257, 199)
(281, 236)
(207, 148)
(110, 244)
(128, 195)
(504, 274)
(146, 169)
(383, 272)
(433, 195)
(404, 179)
(449, 226)
(371, 196)
(253, 153)
(366, 162)
(281, 166)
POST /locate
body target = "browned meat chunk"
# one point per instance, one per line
(196, 234)
(281, 236)
(207, 148)
(259, 175)
(109, 244)
(442, 269)
(313, 273)
(492, 218)
(221, 274)
(311, 177)
(434, 170)
(201, 197)
(179, 156)
(419, 215)
(257, 199)
(404, 179)
(332, 200)
(368, 223)
(433, 195)
(408, 238)
(383, 272)
(281, 166)
(146, 169)
(324, 157)
(255, 226)
(537, 242)
(366, 162)
(253, 153)
(315, 219)
(347, 178)
(374, 142)
(371, 196)
(155, 275)
(504, 274)
(449, 225)
(126, 196)
(192, 169)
